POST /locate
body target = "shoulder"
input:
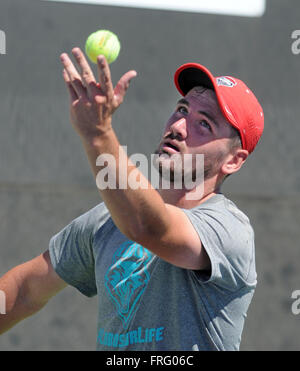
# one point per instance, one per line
(82, 229)
(223, 216)
(93, 219)
(226, 234)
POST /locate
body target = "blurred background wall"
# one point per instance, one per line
(45, 179)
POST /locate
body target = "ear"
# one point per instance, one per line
(234, 161)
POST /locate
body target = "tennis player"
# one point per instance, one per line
(171, 272)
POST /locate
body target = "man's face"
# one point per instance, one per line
(197, 126)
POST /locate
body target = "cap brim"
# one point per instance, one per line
(193, 74)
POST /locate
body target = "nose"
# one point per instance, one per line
(178, 128)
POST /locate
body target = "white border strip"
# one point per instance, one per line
(246, 8)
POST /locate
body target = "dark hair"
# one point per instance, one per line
(235, 139)
(234, 143)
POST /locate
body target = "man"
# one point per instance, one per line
(171, 272)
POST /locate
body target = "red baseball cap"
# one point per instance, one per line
(237, 102)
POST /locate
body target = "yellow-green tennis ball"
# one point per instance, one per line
(102, 42)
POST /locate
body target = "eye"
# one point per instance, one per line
(182, 109)
(205, 124)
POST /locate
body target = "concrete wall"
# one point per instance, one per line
(45, 180)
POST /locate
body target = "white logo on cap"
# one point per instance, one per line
(226, 81)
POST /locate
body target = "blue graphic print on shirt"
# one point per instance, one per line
(127, 279)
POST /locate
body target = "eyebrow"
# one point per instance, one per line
(183, 101)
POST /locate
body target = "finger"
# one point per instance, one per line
(105, 77)
(123, 84)
(72, 92)
(74, 76)
(86, 73)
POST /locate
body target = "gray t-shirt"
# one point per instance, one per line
(146, 303)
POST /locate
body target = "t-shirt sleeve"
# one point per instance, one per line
(228, 238)
(71, 250)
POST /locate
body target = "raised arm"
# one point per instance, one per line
(141, 214)
(27, 288)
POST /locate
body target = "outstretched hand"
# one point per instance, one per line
(92, 103)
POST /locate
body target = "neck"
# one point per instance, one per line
(185, 198)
